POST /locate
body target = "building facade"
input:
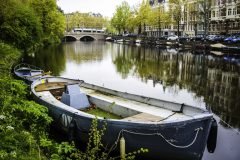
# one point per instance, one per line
(224, 17)
(191, 22)
(200, 17)
(163, 28)
(193, 18)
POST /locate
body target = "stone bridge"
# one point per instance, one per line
(84, 36)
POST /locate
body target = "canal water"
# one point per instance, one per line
(194, 78)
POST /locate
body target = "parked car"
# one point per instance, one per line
(216, 38)
(209, 37)
(172, 38)
(236, 39)
(134, 35)
(183, 38)
(197, 38)
(164, 37)
(229, 39)
(125, 34)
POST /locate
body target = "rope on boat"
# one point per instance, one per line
(156, 134)
(229, 126)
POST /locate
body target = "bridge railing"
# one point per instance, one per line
(79, 33)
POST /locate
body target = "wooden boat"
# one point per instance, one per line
(168, 130)
(28, 72)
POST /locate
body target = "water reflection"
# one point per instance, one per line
(214, 79)
(168, 73)
(51, 58)
(85, 51)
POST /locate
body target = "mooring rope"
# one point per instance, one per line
(158, 134)
(229, 126)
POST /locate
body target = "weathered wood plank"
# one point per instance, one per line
(49, 86)
(144, 117)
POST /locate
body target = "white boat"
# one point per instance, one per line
(109, 39)
(218, 46)
(138, 41)
(168, 130)
(119, 40)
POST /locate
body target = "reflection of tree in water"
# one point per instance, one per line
(223, 92)
(122, 61)
(51, 58)
(212, 78)
(229, 121)
(85, 51)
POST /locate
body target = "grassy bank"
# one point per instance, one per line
(22, 123)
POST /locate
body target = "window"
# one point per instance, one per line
(229, 11)
(223, 12)
(213, 13)
(238, 9)
(234, 11)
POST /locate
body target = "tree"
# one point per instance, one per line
(204, 10)
(27, 23)
(84, 20)
(159, 18)
(176, 8)
(131, 22)
(198, 11)
(19, 24)
(52, 20)
(194, 15)
(120, 17)
(143, 15)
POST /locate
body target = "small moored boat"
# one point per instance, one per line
(168, 130)
(109, 39)
(28, 72)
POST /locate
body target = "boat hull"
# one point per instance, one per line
(27, 72)
(153, 137)
(178, 140)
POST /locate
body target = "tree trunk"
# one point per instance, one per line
(159, 27)
(144, 27)
(205, 18)
(178, 30)
(226, 26)
(195, 28)
(139, 29)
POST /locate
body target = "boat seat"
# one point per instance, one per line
(35, 73)
(144, 117)
(49, 86)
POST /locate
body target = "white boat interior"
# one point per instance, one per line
(129, 107)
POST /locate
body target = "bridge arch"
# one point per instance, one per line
(69, 38)
(87, 38)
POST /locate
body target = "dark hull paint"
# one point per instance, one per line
(183, 134)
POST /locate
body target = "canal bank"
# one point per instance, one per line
(182, 43)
